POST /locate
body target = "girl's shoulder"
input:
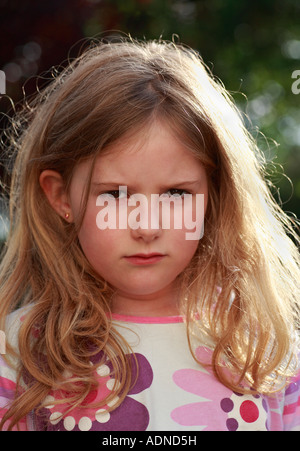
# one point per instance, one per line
(13, 323)
(9, 364)
(9, 361)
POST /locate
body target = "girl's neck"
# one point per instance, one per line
(163, 303)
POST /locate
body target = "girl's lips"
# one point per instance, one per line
(145, 259)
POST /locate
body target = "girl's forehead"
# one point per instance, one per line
(152, 147)
(153, 155)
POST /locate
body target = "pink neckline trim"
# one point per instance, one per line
(147, 319)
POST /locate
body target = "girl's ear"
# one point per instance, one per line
(53, 186)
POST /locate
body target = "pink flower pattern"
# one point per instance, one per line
(223, 410)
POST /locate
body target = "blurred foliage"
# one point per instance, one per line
(253, 46)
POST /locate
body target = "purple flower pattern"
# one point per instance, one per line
(131, 415)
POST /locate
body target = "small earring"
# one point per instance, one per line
(67, 215)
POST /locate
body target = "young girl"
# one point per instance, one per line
(129, 325)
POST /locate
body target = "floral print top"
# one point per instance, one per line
(172, 391)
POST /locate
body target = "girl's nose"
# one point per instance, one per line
(144, 222)
(146, 234)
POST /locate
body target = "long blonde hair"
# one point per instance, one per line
(247, 250)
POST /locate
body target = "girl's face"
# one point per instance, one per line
(141, 263)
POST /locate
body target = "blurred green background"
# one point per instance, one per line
(252, 46)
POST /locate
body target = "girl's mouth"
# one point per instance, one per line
(145, 259)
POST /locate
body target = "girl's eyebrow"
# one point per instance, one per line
(185, 182)
(99, 184)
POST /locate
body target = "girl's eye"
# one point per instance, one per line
(117, 194)
(176, 192)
